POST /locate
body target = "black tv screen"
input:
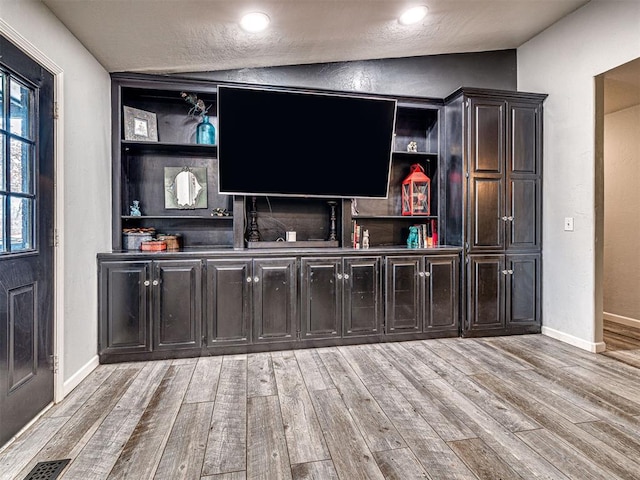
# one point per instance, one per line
(290, 143)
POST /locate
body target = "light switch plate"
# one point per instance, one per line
(568, 224)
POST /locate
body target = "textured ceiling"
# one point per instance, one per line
(170, 36)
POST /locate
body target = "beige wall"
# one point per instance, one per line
(84, 177)
(563, 61)
(621, 276)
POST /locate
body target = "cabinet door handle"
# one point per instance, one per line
(421, 274)
(248, 279)
(256, 279)
(339, 275)
(155, 283)
(504, 272)
(510, 272)
(427, 274)
(147, 283)
(510, 218)
(504, 219)
(346, 276)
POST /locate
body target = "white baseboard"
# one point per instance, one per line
(594, 347)
(80, 375)
(630, 322)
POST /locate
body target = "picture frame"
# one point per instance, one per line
(140, 125)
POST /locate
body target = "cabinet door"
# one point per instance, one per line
(124, 307)
(523, 299)
(486, 229)
(486, 136)
(486, 153)
(403, 295)
(177, 304)
(485, 292)
(362, 312)
(321, 297)
(441, 300)
(274, 299)
(524, 201)
(228, 297)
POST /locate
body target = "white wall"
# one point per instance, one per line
(86, 174)
(621, 273)
(562, 61)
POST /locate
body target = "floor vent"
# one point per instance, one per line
(47, 470)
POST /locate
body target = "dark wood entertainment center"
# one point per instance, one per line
(482, 150)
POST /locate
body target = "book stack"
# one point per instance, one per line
(427, 235)
(359, 236)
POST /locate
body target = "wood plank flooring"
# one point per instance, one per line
(521, 407)
(623, 342)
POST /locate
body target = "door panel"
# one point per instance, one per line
(524, 138)
(487, 225)
(524, 230)
(26, 229)
(403, 286)
(228, 296)
(486, 297)
(274, 299)
(178, 304)
(487, 136)
(124, 315)
(523, 301)
(442, 294)
(321, 294)
(23, 328)
(362, 296)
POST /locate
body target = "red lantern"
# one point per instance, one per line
(416, 192)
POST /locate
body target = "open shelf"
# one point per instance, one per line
(177, 217)
(296, 244)
(186, 149)
(417, 156)
(414, 218)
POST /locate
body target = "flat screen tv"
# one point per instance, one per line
(291, 143)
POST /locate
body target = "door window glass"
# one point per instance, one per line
(17, 165)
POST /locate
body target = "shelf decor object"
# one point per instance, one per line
(185, 187)
(416, 192)
(135, 209)
(140, 125)
(205, 132)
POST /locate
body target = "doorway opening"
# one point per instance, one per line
(618, 207)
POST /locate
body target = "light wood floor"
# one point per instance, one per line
(522, 407)
(623, 342)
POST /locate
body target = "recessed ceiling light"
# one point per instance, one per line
(413, 15)
(254, 22)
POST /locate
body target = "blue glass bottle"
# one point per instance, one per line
(206, 132)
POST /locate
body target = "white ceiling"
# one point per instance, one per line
(169, 36)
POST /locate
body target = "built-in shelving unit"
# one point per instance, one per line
(139, 166)
(238, 285)
(138, 174)
(417, 121)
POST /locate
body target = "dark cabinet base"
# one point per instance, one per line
(503, 295)
(229, 302)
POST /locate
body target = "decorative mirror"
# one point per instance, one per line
(185, 187)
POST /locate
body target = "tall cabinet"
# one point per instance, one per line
(494, 173)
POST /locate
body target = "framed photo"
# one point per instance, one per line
(140, 125)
